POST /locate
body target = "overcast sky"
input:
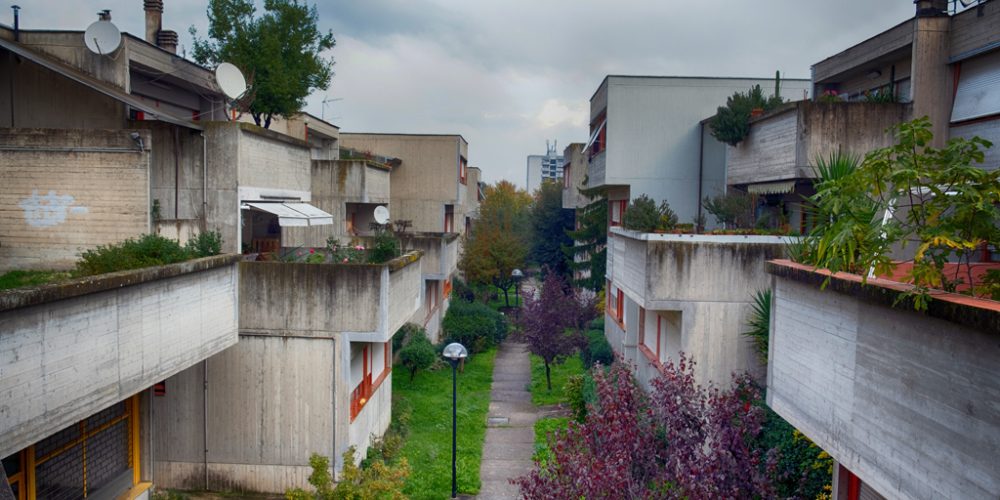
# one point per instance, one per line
(509, 75)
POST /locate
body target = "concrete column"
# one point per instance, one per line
(931, 74)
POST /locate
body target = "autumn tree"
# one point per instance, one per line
(551, 323)
(280, 51)
(681, 441)
(499, 240)
(549, 224)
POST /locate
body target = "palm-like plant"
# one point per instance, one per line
(759, 325)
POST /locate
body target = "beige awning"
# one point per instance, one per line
(771, 187)
(293, 214)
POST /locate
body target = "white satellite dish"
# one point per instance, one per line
(230, 80)
(381, 214)
(102, 37)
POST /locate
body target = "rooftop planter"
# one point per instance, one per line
(851, 361)
(366, 302)
(75, 347)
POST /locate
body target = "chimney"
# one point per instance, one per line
(154, 20)
(931, 78)
(167, 40)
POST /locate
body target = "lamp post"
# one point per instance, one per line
(454, 353)
(518, 276)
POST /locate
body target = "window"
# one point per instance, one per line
(99, 452)
(617, 211)
(599, 134)
(363, 390)
(616, 304)
(463, 170)
(566, 177)
(449, 218)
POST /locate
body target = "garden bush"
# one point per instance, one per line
(418, 354)
(146, 251)
(476, 326)
(405, 334)
(596, 349)
(205, 244)
(462, 291)
(641, 215)
(384, 247)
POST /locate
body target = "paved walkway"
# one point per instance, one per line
(510, 433)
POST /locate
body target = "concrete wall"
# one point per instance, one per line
(427, 179)
(71, 349)
(706, 281)
(271, 160)
(905, 400)
(68, 191)
(654, 134)
(176, 170)
(785, 144)
(577, 163)
(971, 32)
(892, 41)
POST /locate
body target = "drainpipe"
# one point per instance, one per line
(205, 420)
(204, 182)
(177, 173)
(701, 167)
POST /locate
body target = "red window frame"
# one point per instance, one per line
(621, 204)
(449, 218)
(463, 170)
(363, 392)
(566, 169)
(616, 304)
(447, 289)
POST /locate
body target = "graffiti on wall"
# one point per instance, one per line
(47, 210)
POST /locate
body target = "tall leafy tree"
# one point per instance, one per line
(551, 323)
(281, 51)
(549, 223)
(590, 240)
(499, 240)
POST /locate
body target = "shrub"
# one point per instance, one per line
(803, 469)
(476, 326)
(759, 325)
(734, 210)
(597, 349)
(731, 122)
(146, 251)
(206, 244)
(577, 401)
(418, 354)
(405, 334)
(384, 247)
(641, 215)
(462, 291)
(379, 479)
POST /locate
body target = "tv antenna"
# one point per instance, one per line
(324, 103)
(102, 36)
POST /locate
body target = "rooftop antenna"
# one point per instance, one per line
(102, 36)
(325, 102)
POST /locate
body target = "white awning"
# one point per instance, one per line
(978, 92)
(771, 187)
(293, 214)
(593, 137)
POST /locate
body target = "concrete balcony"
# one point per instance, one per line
(70, 349)
(366, 302)
(904, 400)
(686, 293)
(310, 374)
(784, 144)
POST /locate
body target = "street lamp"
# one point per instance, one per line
(518, 276)
(454, 352)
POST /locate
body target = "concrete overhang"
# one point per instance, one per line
(94, 84)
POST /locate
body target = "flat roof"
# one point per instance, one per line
(405, 135)
(668, 77)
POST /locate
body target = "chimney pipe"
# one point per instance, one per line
(154, 19)
(104, 15)
(167, 40)
(17, 22)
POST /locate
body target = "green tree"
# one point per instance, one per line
(935, 198)
(549, 223)
(499, 240)
(280, 51)
(590, 240)
(731, 122)
(418, 354)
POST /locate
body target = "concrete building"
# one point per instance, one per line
(544, 167)
(431, 190)
(896, 397)
(670, 293)
(937, 65)
(647, 138)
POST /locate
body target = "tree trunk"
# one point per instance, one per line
(256, 118)
(506, 297)
(267, 122)
(548, 376)
(413, 371)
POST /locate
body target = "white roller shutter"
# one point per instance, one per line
(978, 92)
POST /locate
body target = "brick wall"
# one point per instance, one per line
(67, 191)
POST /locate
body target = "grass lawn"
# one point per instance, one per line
(540, 394)
(15, 279)
(544, 427)
(428, 444)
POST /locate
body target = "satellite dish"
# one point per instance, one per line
(230, 80)
(381, 214)
(102, 37)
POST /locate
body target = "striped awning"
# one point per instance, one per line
(771, 187)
